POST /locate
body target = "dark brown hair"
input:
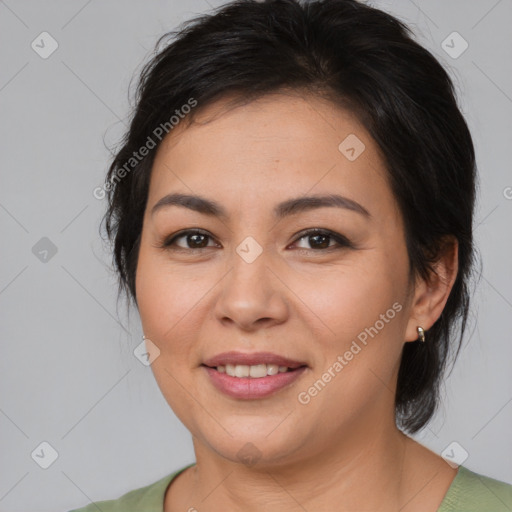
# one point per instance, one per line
(362, 58)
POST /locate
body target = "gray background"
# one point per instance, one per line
(67, 369)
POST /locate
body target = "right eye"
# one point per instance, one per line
(194, 239)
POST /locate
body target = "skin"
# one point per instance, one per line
(296, 300)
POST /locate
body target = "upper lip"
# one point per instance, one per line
(251, 359)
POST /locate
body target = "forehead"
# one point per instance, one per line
(279, 146)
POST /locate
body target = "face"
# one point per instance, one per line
(324, 286)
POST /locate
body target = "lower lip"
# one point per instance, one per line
(248, 388)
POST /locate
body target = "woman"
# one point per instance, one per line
(292, 214)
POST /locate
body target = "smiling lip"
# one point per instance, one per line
(249, 388)
(251, 359)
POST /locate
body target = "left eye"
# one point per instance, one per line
(320, 238)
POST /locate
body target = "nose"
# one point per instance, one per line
(252, 295)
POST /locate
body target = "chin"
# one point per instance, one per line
(255, 441)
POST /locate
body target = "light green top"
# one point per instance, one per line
(469, 492)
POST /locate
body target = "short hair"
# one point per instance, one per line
(362, 59)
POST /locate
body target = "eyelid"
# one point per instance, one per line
(341, 240)
(167, 241)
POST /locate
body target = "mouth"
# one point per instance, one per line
(256, 371)
(252, 376)
(233, 358)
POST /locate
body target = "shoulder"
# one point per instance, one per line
(472, 492)
(149, 498)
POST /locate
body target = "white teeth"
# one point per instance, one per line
(241, 370)
(255, 371)
(258, 370)
(272, 369)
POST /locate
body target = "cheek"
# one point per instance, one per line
(363, 310)
(167, 301)
(349, 299)
(166, 297)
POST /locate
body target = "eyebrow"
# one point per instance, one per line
(281, 210)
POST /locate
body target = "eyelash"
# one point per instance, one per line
(341, 240)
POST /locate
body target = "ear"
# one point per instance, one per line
(430, 295)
